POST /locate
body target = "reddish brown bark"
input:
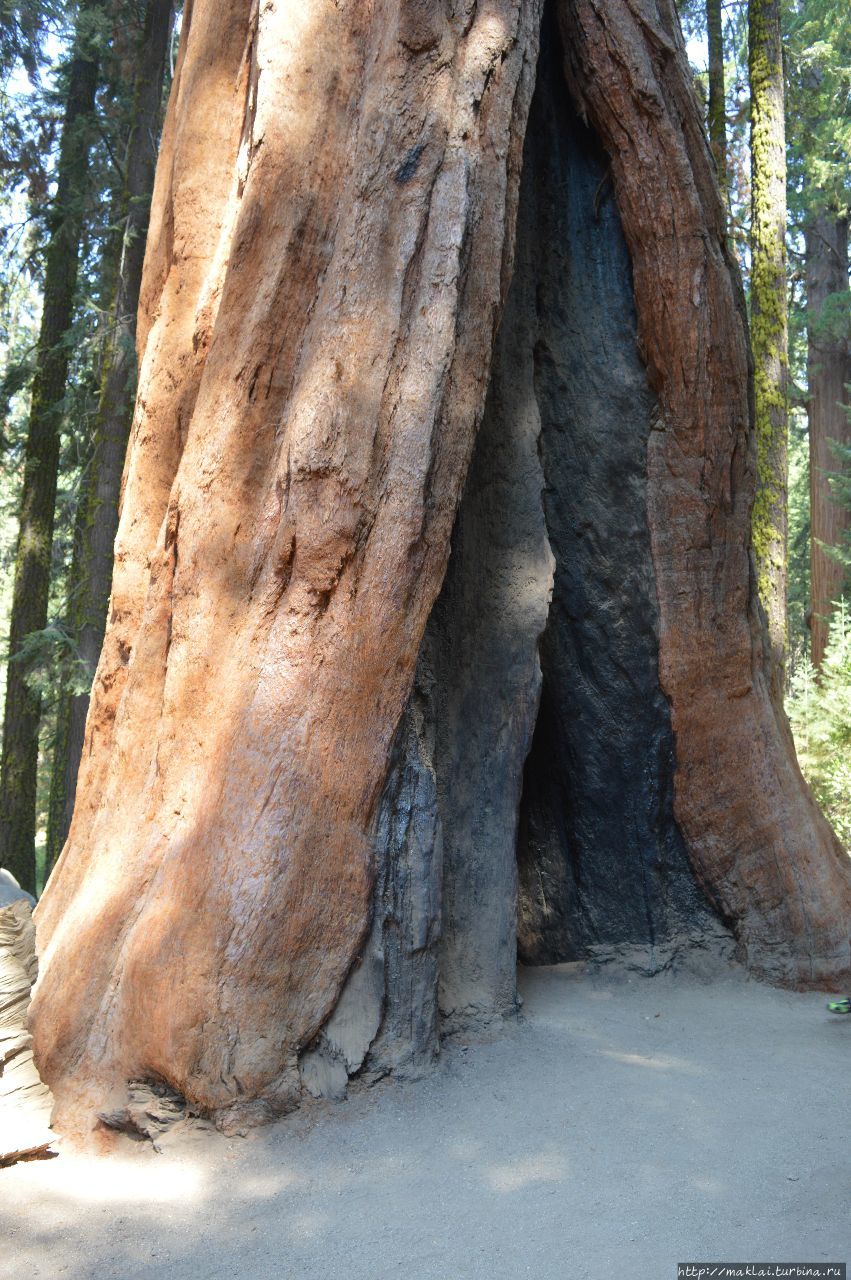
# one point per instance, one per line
(828, 376)
(330, 245)
(760, 847)
(330, 241)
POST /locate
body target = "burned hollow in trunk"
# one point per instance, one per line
(537, 739)
(316, 744)
(602, 861)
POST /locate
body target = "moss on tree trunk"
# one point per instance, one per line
(769, 327)
(331, 245)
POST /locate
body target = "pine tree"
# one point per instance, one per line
(91, 569)
(717, 107)
(19, 763)
(820, 202)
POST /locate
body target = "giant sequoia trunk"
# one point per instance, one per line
(332, 774)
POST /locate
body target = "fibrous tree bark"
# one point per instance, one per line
(769, 316)
(91, 576)
(303, 779)
(828, 379)
(19, 764)
(763, 853)
(328, 251)
(717, 109)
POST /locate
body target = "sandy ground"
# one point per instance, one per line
(620, 1127)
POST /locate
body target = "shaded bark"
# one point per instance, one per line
(91, 574)
(56, 829)
(769, 320)
(301, 765)
(828, 376)
(717, 114)
(760, 848)
(603, 865)
(41, 458)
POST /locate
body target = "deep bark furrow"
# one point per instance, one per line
(603, 865)
(266, 809)
(754, 834)
(308, 684)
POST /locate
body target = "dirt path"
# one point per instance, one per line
(622, 1127)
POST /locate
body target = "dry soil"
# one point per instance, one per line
(622, 1126)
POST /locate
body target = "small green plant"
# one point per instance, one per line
(819, 709)
(50, 657)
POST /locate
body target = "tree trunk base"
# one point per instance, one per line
(332, 775)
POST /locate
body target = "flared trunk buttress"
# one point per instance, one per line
(293, 847)
(329, 246)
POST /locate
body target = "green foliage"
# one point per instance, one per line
(47, 655)
(819, 709)
(30, 32)
(818, 100)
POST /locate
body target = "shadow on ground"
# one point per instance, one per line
(622, 1126)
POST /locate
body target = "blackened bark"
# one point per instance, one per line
(482, 640)
(602, 861)
(387, 1017)
(759, 846)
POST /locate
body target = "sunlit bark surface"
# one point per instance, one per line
(330, 248)
(329, 245)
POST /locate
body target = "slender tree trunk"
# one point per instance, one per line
(38, 497)
(93, 576)
(828, 376)
(769, 323)
(717, 93)
(303, 757)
